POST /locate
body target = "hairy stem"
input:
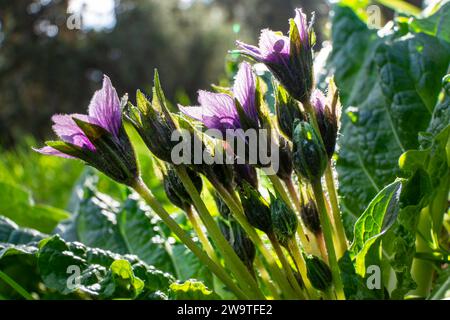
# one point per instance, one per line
(286, 265)
(193, 219)
(239, 215)
(232, 260)
(301, 267)
(140, 187)
(306, 244)
(328, 236)
(337, 219)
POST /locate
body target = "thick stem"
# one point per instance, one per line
(266, 277)
(235, 264)
(140, 187)
(328, 236)
(301, 267)
(193, 219)
(239, 215)
(306, 244)
(286, 265)
(422, 270)
(338, 225)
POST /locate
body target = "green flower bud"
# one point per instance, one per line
(318, 273)
(175, 190)
(153, 121)
(284, 220)
(255, 207)
(287, 110)
(309, 155)
(310, 217)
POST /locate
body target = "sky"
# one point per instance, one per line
(97, 14)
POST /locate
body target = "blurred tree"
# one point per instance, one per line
(254, 15)
(47, 68)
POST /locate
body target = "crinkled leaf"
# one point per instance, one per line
(374, 222)
(388, 88)
(191, 290)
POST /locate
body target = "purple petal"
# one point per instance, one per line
(250, 50)
(300, 21)
(105, 107)
(318, 100)
(52, 152)
(244, 90)
(66, 128)
(218, 104)
(216, 111)
(274, 47)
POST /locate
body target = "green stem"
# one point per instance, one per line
(266, 277)
(235, 264)
(328, 235)
(140, 187)
(201, 235)
(17, 287)
(422, 270)
(301, 267)
(286, 265)
(337, 219)
(239, 215)
(306, 244)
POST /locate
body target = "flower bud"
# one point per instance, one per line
(287, 110)
(310, 217)
(98, 138)
(327, 121)
(255, 207)
(114, 156)
(244, 172)
(175, 190)
(309, 154)
(284, 220)
(153, 122)
(285, 168)
(288, 58)
(318, 273)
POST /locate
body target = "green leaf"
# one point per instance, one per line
(16, 203)
(428, 172)
(388, 93)
(129, 228)
(355, 287)
(121, 281)
(434, 25)
(374, 222)
(73, 267)
(191, 290)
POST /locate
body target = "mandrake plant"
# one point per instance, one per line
(280, 230)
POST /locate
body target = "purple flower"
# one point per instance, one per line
(219, 111)
(289, 58)
(273, 48)
(104, 111)
(98, 138)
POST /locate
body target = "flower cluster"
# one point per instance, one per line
(304, 129)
